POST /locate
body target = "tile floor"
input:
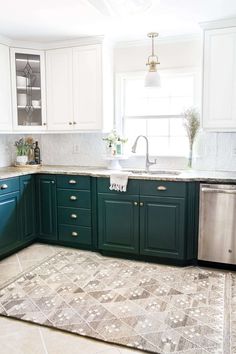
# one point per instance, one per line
(17, 337)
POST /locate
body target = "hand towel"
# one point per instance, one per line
(119, 181)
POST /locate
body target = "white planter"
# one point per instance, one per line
(21, 160)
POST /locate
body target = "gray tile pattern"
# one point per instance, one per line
(156, 308)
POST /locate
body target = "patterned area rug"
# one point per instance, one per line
(155, 308)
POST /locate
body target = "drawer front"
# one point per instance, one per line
(163, 188)
(73, 198)
(103, 185)
(9, 185)
(74, 216)
(75, 234)
(73, 182)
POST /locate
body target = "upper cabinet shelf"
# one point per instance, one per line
(219, 78)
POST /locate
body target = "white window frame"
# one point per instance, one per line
(120, 94)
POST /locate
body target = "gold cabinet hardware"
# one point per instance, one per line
(74, 234)
(73, 216)
(141, 204)
(74, 122)
(44, 124)
(53, 182)
(135, 203)
(72, 181)
(161, 188)
(73, 197)
(70, 123)
(4, 186)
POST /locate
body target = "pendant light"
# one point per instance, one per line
(152, 78)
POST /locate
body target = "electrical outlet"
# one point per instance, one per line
(75, 149)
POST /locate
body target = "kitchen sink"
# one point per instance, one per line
(156, 172)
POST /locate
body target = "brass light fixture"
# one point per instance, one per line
(152, 78)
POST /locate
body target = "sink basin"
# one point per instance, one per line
(156, 172)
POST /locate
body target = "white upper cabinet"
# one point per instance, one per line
(59, 76)
(5, 90)
(87, 87)
(28, 90)
(219, 80)
(76, 90)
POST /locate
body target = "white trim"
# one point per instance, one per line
(217, 24)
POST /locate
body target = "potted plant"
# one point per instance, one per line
(22, 150)
(191, 124)
(114, 143)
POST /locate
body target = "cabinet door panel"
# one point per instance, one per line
(162, 227)
(9, 226)
(27, 203)
(5, 89)
(87, 87)
(59, 89)
(46, 192)
(118, 221)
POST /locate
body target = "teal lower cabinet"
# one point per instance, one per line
(74, 211)
(46, 207)
(162, 227)
(27, 207)
(118, 220)
(10, 230)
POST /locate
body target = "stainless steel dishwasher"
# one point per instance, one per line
(217, 223)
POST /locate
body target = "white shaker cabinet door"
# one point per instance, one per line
(59, 73)
(219, 87)
(87, 87)
(5, 90)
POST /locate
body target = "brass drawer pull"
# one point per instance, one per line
(4, 186)
(141, 204)
(74, 216)
(72, 181)
(135, 203)
(73, 197)
(74, 234)
(161, 188)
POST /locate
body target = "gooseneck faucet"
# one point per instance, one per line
(148, 162)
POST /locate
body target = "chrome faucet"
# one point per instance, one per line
(148, 162)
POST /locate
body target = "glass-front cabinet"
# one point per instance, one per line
(28, 89)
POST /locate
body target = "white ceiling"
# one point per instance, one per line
(48, 20)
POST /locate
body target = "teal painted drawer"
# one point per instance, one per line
(9, 185)
(74, 216)
(73, 198)
(73, 182)
(163, 188)
(79, 234)
(103, 185)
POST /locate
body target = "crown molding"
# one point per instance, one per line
(220, 23)
(160, 40)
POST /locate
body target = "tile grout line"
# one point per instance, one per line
(18, 259)
(43, 341)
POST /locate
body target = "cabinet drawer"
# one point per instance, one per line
(74, 216)
(163, 188)
(9, 185)
(73, 182)
(76, 234)
(73, 198)
(103, 185)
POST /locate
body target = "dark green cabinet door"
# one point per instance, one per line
(162, 231)
(47, 207)
(10, 232)
(118, 223)
(27, 204)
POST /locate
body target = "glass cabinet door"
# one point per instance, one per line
(28, 91)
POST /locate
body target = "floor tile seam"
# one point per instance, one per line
(43, 341)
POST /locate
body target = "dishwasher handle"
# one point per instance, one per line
(215, 190)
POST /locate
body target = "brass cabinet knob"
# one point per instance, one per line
(141, 204)
(70, 123)
(74, 123)
(72, 181)
(4, 186)
(73, 216)
(44, 124)
(73, 197)
(74, 234)
(52, 182)
(135, 203)
(161, 188)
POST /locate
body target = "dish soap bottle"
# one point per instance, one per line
(37, 153)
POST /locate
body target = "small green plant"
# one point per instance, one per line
(113, 138)
(192, 125)
(23, 147)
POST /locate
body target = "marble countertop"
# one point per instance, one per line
(184, 175)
